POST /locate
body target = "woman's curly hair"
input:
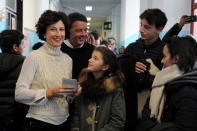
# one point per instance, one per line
(48, 18)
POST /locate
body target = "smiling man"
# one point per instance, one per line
(141, 61)
(76, 46)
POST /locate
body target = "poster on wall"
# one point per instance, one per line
(26, 40)
(30, 39)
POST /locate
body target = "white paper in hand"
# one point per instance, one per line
(70, 82)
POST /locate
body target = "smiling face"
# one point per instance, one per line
(78, 33)
(167, 59)
(149, 32)
(55, 34)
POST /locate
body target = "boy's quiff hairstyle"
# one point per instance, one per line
(75, 17)
(154, 17)
(48, 18)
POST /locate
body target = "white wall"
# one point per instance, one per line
(56, 5)
(115, 19)
(32, 9)
(174, 9)
(43, 5)
(130, 11)
(30, 13)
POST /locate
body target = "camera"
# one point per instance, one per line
(192, 18)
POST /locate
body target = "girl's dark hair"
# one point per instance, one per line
(48, 18)
(186, 49)
(109, 58)
(112, 76)
(8, 38)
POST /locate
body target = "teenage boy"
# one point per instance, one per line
(141, 61)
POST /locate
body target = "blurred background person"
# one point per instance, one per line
(91, 39)
(37, 45)
(96, 37)
(12, 114)
(104, 43)
(121, 50)
(112, 40)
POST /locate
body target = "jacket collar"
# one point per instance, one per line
(158, 42)
(187, 79)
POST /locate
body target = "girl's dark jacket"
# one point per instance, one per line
(180, 109)
(104, 114)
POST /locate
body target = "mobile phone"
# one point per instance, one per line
(71, 82)
(192, 18)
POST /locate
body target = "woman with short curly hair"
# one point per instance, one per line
(40, 81)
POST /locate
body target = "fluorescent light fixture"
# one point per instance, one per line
(89, 18)
(88, 23)
(88, 8)
(88, 27)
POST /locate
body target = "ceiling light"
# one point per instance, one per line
(88, 8)
(88, 27)
(88, 23)
(89, 18)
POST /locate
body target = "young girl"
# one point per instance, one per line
(101, 105)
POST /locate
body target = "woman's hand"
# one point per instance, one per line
(60, 91)
(78, 92)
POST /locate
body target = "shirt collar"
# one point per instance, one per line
(69, 44)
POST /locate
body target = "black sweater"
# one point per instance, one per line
(80, 57)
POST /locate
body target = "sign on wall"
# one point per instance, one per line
(107, 25)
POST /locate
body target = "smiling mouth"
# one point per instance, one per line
(58, 39)
(89, 65)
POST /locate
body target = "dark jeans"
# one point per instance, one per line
(37, 125)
